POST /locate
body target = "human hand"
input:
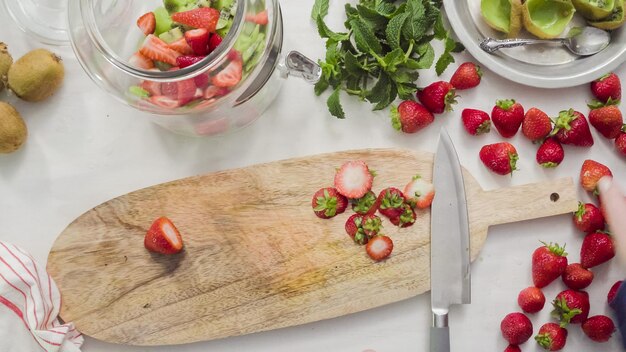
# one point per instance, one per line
(614, 209)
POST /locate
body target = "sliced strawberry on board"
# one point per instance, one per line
(163, 237)
(164, 102)
(379, 248)
(353, 226)
(182, 47)
(198, 40)
(140, 61)
(154, 88)
(214, 41)
(354, 179)
(204, 17)
(156, 49)
(230, 76)
(260, 18)
(186, 91)
(147, 23)
(371, 225)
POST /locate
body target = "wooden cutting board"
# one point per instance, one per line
(256, 258)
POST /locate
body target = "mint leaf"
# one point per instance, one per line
(443, 62)
(439, 30)
(364, 37)
(321, 86)
(427, 55)
(334, 105)
(393, 59)
(326, 32)
(320, 9)
(394, 30)
(415, 27)
(381, 88)
(372, 18)
(406, 91)
(353, 66)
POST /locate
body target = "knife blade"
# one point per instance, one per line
(449, 243)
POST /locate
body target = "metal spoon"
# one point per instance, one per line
(588, 41)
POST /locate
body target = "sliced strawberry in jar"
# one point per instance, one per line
(214, 41)
(204, 17)
(138, 60)
(154, 88)
(202, 81)
(182, 47)
(147, 23)
(188, 60)
(186, 91)
(259, 18)
(198, 40)
(170, 89)
(215, 92)
(156, 49)
(230, 76)
(164, 102)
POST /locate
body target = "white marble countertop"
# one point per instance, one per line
(85, 148)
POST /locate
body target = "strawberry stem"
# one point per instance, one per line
(450, 99)
(513, 158)
(563, 121)
(580, 212)
(505, 104)
(544, 340)
(564, 313)
(556, 248)
(395, 118)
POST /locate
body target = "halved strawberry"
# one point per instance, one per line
(259, 18)
(154, 88)
(203, 17)
(354, 179)
(198, 40)
(164, 102)
(379, 247)
(230, 76)
(354, 229)
(188, 60)
(156, 49)
(186, 91)
(327, 203)
(419, 193)
(182, 47)
(140, 61)
(214, 41)
(371, 225)
(163, 237)
(147, 23)
(391, 202)
(406, 219)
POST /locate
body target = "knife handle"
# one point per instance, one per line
(440, 334)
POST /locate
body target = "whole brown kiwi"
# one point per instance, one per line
(36, 75)
(13, 130)
(5, 63)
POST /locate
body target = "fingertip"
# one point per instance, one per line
(605, 184)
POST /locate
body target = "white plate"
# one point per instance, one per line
(539, 65)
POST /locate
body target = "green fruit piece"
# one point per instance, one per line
(503, 15)
(13, 130)
(173, 6)
(615, 20)
(203, 3)
(162, 66)
(163, 21)
(138, 92)
(36, 75)
(5, 63)
(172, 35)
(222, 4)
(547, 18)
(222, 32)
(594, 9)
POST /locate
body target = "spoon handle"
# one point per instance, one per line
(491, 45)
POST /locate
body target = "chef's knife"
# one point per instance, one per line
(449, 242)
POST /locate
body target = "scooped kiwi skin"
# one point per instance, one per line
(5, 63)
(615, 20)
(13, 131)
(36, 75)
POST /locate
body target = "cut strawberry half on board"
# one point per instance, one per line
(419, 193)
(140, 61)
(163, 237)
(379, 248)
(354, 179)
(182, 47)
(147, 23)
(156, 49)
(230, 76)
(204, 17)
(198, 40)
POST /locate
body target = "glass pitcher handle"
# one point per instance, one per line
(296, 64)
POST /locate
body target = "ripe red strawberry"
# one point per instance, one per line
(147, 23)
(410, 117)
(551, 337)
(512, 348)
(203, 17)
(571, 307)
(355, 230)
(467, 76)
(597, 248)
(379, 247)
(419, 193)
(371, 225)
(607, 120)
(230, 76)
(156, 49)
(500, 158)
(354, 179)
(588, 218)
(550, 154)
(182, 47)
(507, 116)
(531, 299)
(576, 277)
(476, 122)
(536, 125)
(140, 61)
(571, 128)
(613, 292)
(214, 41)
(391, 202)
(516, 328)
(258, 18)
(599, 328)
(591, 172)
(406, 219)
(198, 40)
(620, 142)
(548, 263)
(368, 204)
(438, 97)
(328, 202)
(163, 237)
(607, 87)
(186, 61)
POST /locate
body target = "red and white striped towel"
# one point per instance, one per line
(29, 305)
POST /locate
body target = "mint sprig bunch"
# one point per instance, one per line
(378, 57)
